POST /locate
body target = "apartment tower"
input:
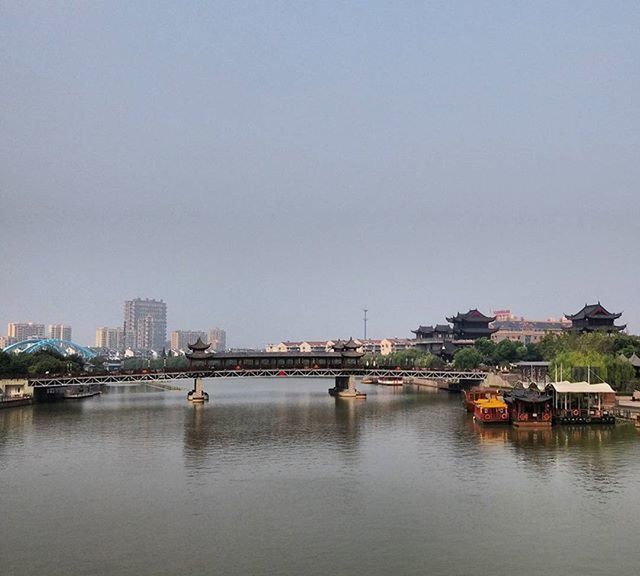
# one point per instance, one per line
(145, 324)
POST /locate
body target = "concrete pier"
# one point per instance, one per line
(197, 395)
(346, 388)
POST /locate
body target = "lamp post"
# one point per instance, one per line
(365, 322)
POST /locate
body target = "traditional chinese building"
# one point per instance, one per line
(471, 325)
(594, 318)
(435, 339)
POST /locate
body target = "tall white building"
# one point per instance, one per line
(25, 330)
(110, 338)
(59, 331)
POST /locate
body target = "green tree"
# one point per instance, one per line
(506, 352)
(487, 348)
(467, 358)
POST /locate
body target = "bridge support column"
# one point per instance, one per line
(197, 395)
(346, 388)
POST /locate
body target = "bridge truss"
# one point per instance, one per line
(142, 377)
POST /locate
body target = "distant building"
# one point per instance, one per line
(23, 331)
(391, 345)
(521, 330)
(6, 341)
(180, 339)
(59, 331)
(471, 325)
(110, 338)
(594, 318)
(217, 339)
(284, 347)
(433, 339)
(145, 324)
(316, 346)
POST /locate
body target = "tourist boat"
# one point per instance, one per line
(529, 408)
(80, 393)
(491, 411)
(391, 380)
(582, 402)
(478, 393)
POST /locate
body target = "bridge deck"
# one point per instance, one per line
(114, 378)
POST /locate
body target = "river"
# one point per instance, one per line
(274, 477)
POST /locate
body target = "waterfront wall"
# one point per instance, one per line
(15, 387)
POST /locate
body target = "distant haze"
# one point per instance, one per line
(274, 167)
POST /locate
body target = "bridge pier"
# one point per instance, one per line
(346, 388)
(197, 395)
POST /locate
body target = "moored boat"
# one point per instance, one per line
(491, 411)
(80, 393)
(391, 380)
(469, 397)
(529, 408)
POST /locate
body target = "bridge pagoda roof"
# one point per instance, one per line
(198, 350)
(351, 349)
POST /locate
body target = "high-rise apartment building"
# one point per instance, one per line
(218, 340)
(24, 331)
(180, 339)
(110, 338)
(59, 331)
(145, 324)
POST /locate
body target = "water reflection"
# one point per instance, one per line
(269, 475)
(592, 456)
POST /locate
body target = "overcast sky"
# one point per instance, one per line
(274, 167)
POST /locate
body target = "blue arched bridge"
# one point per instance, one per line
(62, 347)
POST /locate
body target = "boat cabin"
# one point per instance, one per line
(491, 411)
(582, 403)
(530, 408)
(469, 397)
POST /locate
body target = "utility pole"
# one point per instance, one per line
(365, 322)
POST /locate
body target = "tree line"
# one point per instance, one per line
(571, 356)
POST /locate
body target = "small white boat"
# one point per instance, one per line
(79, 394)
(391, 380)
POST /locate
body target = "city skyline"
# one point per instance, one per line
(317, 159)
(113, 337)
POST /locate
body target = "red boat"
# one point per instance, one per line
(471, 396)
(491, 411)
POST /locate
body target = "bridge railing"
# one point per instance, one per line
(163, 375)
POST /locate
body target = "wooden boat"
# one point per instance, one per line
(470, 396)
(71, 394)
(491, 411)
(391, 380)
(529, 408)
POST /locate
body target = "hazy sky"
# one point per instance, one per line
(274, 167)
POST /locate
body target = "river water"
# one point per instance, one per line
(275, 477)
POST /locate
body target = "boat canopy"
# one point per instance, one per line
(581, 388)
(490, 403)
